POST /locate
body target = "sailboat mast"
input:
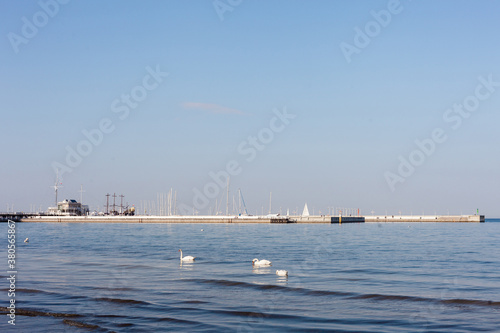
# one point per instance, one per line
(270, 201)
(227, 198)
(239, 201)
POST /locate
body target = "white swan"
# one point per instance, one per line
(281, 272)
(186, 258)
(260, 263)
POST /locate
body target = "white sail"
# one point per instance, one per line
(305, 212)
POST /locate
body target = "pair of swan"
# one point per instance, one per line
(265, 263)
(255, 262)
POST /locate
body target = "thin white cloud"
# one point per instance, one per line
(211, 108)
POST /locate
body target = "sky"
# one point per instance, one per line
(387, 106)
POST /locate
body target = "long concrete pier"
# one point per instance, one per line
(425, 218)
(195, 219)
(327, 219)
(159, 219)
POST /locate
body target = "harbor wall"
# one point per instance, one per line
(254, 219)
(425, 218)
(327, 219)
(157, 219)
(196, 219)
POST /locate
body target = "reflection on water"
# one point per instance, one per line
(282, 280)
(261, 270)
(186, 265)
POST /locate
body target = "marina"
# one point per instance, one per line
(73, 211)
(165, 211)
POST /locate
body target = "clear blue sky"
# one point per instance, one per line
(353, 120)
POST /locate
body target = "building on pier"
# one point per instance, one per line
(69, 207)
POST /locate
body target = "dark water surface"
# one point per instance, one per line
(372, 277)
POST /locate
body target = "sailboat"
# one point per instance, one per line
(305, 212)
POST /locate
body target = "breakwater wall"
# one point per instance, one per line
(250, 219)
(195, 219)
(425, 218)
(327, 219)
(158, 219)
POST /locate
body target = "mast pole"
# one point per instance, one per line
(227, 198)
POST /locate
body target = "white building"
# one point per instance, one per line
(69, 208)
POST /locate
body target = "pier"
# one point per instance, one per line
(196, 219)
(327, 219)
(16, 217)
(159, 219)
(274, 219)
(425, 218)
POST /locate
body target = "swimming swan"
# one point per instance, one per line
(186, 258)
(260, 263)
(281, 272)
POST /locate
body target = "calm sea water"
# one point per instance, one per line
(391, 277)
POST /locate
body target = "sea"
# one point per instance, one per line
(367, 277)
